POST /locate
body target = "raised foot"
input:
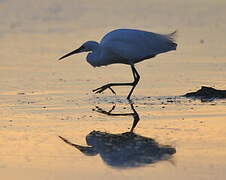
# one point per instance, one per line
(103, 88)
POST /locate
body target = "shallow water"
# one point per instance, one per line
(42, 98)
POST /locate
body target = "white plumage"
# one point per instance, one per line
(126, 46)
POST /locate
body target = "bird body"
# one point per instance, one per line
(126, 46)
(130, 46)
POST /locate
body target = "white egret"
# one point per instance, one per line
(125, 46)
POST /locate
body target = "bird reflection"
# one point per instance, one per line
(135, 115)
(125, 150)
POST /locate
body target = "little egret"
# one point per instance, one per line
(125, 46)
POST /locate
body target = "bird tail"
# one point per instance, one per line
(172, 39)
(172, 36)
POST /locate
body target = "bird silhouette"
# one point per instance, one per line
(125, 46)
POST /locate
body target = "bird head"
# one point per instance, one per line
(86, 47)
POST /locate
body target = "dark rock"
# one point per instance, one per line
(207, 93)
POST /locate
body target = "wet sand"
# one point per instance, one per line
(30, 146)
(42, 98)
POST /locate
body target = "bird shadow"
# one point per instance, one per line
(124, 150)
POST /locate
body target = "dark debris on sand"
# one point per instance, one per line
(207, 93)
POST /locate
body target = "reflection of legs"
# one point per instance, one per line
(136, 118)
(136, 77)
(135, 115)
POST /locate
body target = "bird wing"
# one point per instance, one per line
(136, 45)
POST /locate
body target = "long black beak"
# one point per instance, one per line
(73, 52)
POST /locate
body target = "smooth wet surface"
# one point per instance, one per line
(42, 99)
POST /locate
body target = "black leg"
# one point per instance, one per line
(136, 77)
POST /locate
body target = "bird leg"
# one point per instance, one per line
(103, 88)
(136, 77)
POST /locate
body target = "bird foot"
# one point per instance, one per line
(103, 88)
